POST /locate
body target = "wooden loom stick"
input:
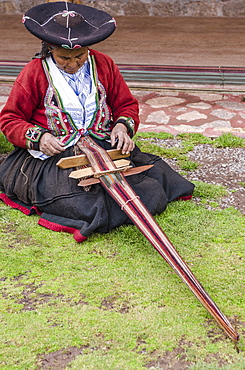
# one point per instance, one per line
(121, 165)
(81, 160)
(129, 172)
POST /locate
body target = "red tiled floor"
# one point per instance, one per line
(210, 114)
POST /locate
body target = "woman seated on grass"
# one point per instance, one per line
(68, 91)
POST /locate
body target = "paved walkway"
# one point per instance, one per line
(176, 112)
(210, 114)
(177, 107)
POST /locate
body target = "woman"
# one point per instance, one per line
(66, 92)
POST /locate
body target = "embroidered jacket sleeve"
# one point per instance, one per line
(22, 119)
(122, 103)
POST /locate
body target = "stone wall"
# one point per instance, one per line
(164, 8)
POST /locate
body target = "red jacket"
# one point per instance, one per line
(25, 106)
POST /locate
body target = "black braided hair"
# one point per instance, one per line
(44, 52)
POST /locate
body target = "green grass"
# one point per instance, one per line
(195, 138)
(209, 191)
(158, 135)
(229, 140)
(148, 143)
(115, 299)
(186, 164)
(188, 140)
(115, 296)
(5, 145)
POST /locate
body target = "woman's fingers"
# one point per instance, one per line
(124, 142)
(50, 145)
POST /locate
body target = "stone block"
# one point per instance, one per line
(7, 7)
(114, 8)
(201, 9)
(168, 9)
(24, 5)
(136, 8)
(234, 9)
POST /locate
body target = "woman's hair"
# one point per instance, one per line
(45, 51)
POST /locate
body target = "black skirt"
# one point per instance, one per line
(33, 185)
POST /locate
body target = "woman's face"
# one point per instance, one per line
(70, 60)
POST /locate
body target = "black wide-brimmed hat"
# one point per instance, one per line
(69, 25)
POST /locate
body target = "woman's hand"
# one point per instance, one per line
(50, 145)
(119, 132)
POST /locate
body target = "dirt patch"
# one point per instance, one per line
(31, 299)
(60, 359)
(113, 303)
(174, 360)
(177, 358)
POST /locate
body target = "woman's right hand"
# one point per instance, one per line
(50, 145)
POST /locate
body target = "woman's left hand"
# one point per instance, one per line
(119, 133)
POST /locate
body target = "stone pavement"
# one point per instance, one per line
(210, 114)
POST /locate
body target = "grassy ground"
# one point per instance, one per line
(113, 302)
